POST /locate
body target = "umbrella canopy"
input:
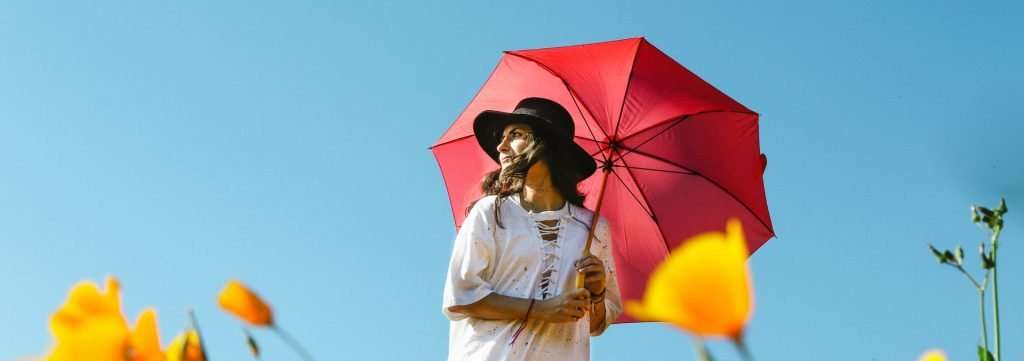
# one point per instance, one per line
(681, 156)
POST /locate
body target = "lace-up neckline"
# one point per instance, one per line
(550, 225)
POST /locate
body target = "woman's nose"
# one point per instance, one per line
(503, 146)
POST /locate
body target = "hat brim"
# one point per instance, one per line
(490, 124)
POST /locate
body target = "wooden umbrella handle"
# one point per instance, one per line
(580, 276)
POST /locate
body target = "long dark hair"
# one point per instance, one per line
(509, 181)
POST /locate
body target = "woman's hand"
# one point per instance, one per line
(569, 306)
(593, 268)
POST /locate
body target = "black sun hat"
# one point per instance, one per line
(544, 116)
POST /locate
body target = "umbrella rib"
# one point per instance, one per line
(648, 204)
(629, 81)
(584, 118)
(658, 170)
(712, 181)
(603, 146)
(637, 199)
(450, 141)
(676, 120)
(631, 149)
(639, 131)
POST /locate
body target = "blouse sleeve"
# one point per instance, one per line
(471, 262)
(601, 247)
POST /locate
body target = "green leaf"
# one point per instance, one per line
(938, 255)
(984, 355)
(1001, 210)
(988, 261)
(959, 255)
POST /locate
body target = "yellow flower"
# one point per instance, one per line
(238, 300)
(90, 325)
(933, 355)
(187, 346)
(702, 287)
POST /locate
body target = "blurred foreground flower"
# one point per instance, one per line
(187, 346)
(146, 338)
(933, 355)
(240, 301)
(702, 287)
(90, 325)
(245, 304)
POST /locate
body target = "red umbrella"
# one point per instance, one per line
(676, 156)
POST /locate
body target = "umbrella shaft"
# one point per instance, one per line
(580, 276)
(597, 211)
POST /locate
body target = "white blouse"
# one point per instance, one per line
(517, 261)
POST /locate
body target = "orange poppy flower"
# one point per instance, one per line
(90, 325)
(238, 300)
(703, 286)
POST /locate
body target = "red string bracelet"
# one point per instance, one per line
(523, 325)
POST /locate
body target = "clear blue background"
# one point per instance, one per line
(180, 144)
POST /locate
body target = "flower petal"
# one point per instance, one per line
(90, 324)
(146, 338)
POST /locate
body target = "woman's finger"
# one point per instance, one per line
(580, 294)
(588, 261)
(591, 269)
(577, 312)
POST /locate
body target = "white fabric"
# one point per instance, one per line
(512, 261)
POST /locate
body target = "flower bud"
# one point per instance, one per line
(1001, 210)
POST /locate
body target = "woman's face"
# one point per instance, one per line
(514, 140)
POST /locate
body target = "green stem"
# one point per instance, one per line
(254, 348)
(742, 348)
(995, 289)
(984, 326)
(978, 286)
(702, 352)
(195, 326)
(291, 342)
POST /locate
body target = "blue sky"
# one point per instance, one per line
(177, 145)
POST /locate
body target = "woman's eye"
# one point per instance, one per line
(513, 135)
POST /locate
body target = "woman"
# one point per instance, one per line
(510, 291)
